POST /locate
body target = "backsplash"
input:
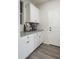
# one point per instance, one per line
(34, 26)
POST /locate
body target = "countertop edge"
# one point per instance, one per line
(23, 34)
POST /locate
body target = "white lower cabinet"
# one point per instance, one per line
(36, 40)
(40, 37)
(28, 44)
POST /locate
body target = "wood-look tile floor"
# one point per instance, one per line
(46, 52)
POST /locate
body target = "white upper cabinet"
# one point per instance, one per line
(31, 13)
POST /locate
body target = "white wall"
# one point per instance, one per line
(52, 6)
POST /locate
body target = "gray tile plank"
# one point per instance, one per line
(46, 52)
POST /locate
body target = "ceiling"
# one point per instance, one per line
(37, 2)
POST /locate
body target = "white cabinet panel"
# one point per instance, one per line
(37, 15)
(32, 13)
(29, 45)
(36, 40)
(26, 46)
(40, 36)
(21, 47)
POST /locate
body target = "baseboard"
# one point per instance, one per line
(51, 44)
(54, 45)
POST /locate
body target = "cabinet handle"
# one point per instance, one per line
(28, 41)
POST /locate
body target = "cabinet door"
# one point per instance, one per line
(26, 46)
(35, 40)
(41, 37)
(37, 15)
(29, 45)
(22, 42)
(34, 14)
